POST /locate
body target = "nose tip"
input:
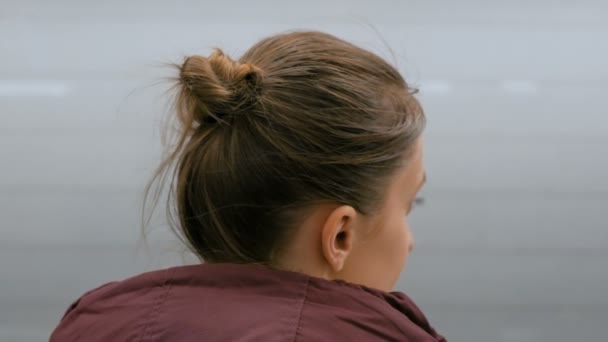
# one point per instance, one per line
(410, 247)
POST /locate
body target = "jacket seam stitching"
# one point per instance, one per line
(157, 307)
(295, 337)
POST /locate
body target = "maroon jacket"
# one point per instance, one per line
(229, 302)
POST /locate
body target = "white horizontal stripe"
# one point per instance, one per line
(436, 87)
(520, 86)
(33, 88)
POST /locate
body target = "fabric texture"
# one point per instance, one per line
(231, 302)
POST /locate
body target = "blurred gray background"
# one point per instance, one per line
(511, 243)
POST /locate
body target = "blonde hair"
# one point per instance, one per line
(300, 118)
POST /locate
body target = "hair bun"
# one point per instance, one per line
(215, 87)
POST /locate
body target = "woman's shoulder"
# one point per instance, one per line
(229, 302)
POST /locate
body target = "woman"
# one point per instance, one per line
(292, 176)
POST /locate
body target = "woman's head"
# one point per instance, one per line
(305, 153)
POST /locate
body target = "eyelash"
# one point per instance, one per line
(418, 201)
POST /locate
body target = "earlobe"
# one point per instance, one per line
(337, 236)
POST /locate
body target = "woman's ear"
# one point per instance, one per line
(337, 236)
